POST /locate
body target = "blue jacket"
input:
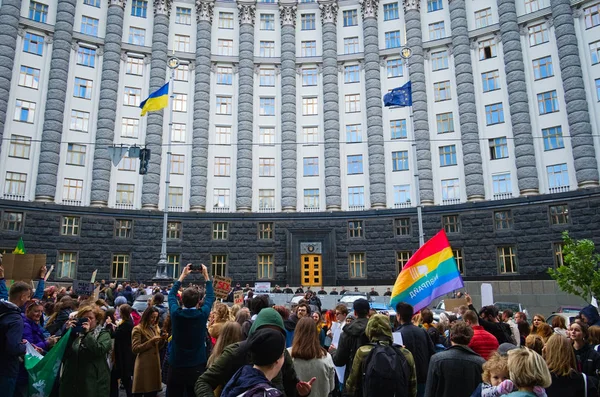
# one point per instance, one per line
(250, 381)
(188, 344)
(11, 332)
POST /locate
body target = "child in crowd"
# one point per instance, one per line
(266, 348)
(496, 380)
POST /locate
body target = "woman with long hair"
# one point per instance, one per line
(538, 319)
(123, 358)
(85, 363)
(62, 310)
(146, 341)
(545, 331)
(588, 359)
(560, 358)
(220, 315)
(231, 333)
(242, 316)
(312, 360)
(316, 316)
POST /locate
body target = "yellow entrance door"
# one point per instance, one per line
(311, 270)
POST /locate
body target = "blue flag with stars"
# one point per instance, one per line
(399, 97)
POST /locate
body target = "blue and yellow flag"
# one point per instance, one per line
(158, 100)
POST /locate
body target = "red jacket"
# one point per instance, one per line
(483, 343)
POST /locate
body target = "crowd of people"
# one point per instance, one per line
(197, 346)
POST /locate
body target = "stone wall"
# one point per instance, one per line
(531, 236)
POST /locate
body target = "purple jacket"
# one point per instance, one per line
(34, 333)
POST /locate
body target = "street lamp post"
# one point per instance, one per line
(161, 267)
(406, 53)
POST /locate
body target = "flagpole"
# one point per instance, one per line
(161, 268)
(406, 53)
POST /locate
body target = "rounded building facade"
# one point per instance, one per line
(282, 151)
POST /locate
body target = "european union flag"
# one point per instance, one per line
(399, 97)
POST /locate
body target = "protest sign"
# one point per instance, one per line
(83, 288)
(222, 286)
(23, 267)
(238, 297)
(93, 279)
(451, 304)
(48, 273)
(262, 287)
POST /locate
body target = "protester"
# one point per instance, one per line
(85, 365)
(545, 331)
(535, 343)
(311, 360)
(236, 356)
(528, 372)
(124, 358)
(507, 317)
(187, 351)
(566, 380)
(11, 324)
(488, 319)
(318, 322)
(62, 311)
(341, 312)
(482, 342)
(538, 319)
(158, 301)
(447, 379)
(352, 338)
(589, 315)
(594, 336)
(266, 349)
(524, 331)
(230, 333)
(417, 341)
(559, 326)
(520, 316)
(588, 359)
(379, 333)
(432, 331)
(220, 317)
(146, 342)
(242, 316)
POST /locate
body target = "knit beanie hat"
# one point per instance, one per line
(266, 346)
(267, 316)
(121, 300)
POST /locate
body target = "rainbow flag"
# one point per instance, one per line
(158, 100)
(430, 272)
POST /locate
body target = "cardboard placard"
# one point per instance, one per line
(23, 267)
(222, 286)
(262, 287)
(451, 304)
(487, 295)
(83, 288)
(93, 279)
(48, 273)
(238, 297)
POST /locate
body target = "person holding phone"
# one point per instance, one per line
(85, 368)
(187, 351)
(146, 341)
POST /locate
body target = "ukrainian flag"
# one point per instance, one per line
(158, 100)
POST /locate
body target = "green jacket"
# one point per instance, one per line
(86, 371)
(378, 330)
(228, 363)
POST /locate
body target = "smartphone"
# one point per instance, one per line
(196, 268)
(79, 326)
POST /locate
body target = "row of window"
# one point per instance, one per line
(121, 262)
(15, 183)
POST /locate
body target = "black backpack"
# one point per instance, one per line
(386, 372)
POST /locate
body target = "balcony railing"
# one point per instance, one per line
(175, 208)
(405, 204)
(451, 201)
(220, 209)
(76, 203)
(16, 197)
(123, 206)
(558, 189)
(266, 209)
(311, 209)
(356, 208)
(502, 196)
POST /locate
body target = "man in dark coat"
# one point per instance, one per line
(288, 290)
(456, 371)
(417, 341)
(489, 321)
(352, 338)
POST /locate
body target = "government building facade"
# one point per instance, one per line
(285, 165)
